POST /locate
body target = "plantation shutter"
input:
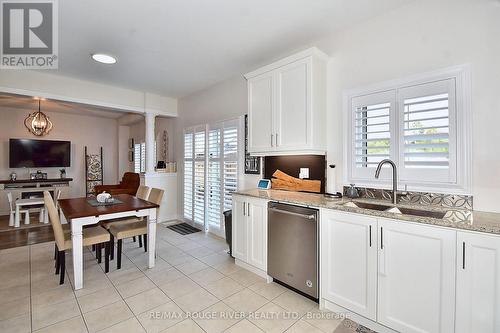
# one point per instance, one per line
(214, 181)
(199, 176)
(230, 162)
(137, 157)
(427, 130)
(210, 173)
(143, 157)
(372, 132)
(188, 175)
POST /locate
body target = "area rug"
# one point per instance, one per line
(183, 228)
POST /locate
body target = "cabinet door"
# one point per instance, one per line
(239, 225)
(416, 277)
(293, 108)
(478, 283)
(260, 113)
(349, 261)
(257, 233)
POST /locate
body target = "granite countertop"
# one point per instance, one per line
(458, 218)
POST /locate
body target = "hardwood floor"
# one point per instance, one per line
(37, 233)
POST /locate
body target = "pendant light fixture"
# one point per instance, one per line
(38, 122)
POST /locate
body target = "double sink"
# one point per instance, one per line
(396, 210)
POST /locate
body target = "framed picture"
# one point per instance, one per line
(130, 156)
(131, 143)
(252, 163)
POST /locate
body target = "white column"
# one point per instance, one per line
(150, 142)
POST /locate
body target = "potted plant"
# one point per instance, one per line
(63, 173)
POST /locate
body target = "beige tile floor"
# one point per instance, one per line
(195, 287)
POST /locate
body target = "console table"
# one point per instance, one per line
(27, 185)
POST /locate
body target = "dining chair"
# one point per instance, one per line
(140, 229)
(142, 193)
(91, 236)
(12, 209)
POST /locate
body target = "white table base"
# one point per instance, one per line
(77, 238)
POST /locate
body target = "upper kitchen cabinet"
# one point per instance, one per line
(287, 106)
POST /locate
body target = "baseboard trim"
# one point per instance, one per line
(251, 268)
(327, 305)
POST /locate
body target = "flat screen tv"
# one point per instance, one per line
(27, 153)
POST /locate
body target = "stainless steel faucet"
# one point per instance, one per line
(394, 178)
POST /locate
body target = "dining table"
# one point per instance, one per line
(80, 212)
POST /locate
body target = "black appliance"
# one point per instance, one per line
(28, 153)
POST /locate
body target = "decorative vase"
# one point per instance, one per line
(103, 197)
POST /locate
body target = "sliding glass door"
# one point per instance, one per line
(210, 173)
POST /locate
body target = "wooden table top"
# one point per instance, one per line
(79, 207)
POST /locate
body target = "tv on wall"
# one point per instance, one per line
(27, 153)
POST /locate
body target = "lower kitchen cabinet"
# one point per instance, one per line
(478, 283)
(349, 261)
(250, 231)
(416, 280)
(239, 229)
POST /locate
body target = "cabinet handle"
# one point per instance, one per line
(244, 208)
(370, 236)
(276, 139)
(272, 137)
(248, 209)
(381, 238)
(463, 255)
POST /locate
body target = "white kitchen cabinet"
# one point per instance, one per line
(250, 231)
(349, 261)
(287, 106)
(257, 233)
(416, 280)
(478, 283)
(239, 228)
(260, 101)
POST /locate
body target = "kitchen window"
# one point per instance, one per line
(422, 124)
(211, 154)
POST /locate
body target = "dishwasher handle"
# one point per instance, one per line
(309, 217)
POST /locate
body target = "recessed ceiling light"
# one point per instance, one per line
(104, 58)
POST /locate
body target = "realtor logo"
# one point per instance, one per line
(29, 34)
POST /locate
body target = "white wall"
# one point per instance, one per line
(123, 149)
(226, 100)
(423, 36)
(420, 37)
(137, 132)
(81, 130)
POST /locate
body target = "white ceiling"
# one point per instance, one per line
(18, 102)
(176, 47)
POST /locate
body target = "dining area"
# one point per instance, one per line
(78, 223)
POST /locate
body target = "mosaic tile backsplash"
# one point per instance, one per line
(421, 198)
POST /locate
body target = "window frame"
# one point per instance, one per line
(140, 156)
(462, 183)
(221, 159)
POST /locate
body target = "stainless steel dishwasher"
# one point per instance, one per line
(292, 256)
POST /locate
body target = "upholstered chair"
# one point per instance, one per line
(91, 236)
(129, 185)
(133, 229)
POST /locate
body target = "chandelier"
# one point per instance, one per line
(38, 123)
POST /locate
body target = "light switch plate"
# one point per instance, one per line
(304, 173)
